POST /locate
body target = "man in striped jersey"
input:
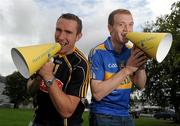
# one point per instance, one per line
(62, 83)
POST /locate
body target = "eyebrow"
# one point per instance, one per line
(59, 29)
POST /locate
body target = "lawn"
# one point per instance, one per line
(19, 117)
(154, 122)
(15, 117)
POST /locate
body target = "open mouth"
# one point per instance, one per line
(63, 43)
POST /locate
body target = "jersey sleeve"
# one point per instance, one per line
(78, 85)
(96, 65)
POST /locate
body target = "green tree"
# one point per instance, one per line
(163, 79)
(15, 88)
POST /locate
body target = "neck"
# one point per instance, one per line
(67, 52)
(117, 47)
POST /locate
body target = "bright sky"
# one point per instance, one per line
(27, 22)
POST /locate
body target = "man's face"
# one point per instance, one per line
(123, 23)
(66, 35)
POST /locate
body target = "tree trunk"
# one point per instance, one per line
(177, 115)
(177, 110)
(16, 105)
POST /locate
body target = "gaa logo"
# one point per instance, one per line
(114, 65)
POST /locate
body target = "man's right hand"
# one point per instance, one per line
(46, 71)
(137, 59)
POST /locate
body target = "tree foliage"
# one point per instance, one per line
(164, 78)
(15, 88)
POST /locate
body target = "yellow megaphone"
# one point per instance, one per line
(155, 45)
(29, 59)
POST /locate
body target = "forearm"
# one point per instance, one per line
(101, 89)
(140, 78)
(63, 103)
(33, 85)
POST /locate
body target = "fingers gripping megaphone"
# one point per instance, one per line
(155, 45)
(30, 59)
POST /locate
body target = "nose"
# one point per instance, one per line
(126, 28)
(60, 36)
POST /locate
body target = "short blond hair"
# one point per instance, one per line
(118, 11)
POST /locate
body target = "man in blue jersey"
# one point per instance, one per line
(114, 69)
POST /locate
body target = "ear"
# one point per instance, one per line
(78, 36)
(110, 28)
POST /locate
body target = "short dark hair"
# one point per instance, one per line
(75, 18)
(118, 11)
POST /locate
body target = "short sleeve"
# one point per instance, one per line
(96, 65)
(79, 82)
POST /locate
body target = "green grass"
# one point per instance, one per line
(21, 117)
(154, 122)
(86, 119)
(15, 117)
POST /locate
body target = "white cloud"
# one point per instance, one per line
(26, 22)
(160, 7)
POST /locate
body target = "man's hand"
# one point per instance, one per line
(46, 71)
(136, 61)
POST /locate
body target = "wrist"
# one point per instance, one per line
(127, 71)
(130, 70)
(49, 82)
(48, 77)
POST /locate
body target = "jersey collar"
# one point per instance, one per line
(108, 45)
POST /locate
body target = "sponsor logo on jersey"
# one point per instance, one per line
(113, 65)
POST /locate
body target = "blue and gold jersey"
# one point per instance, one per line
(105, 62)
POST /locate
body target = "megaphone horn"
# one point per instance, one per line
(30, 59)
(155, 45)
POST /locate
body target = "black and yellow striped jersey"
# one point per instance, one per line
(73, 71)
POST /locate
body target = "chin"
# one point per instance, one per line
(125, 41)
(61, 51)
